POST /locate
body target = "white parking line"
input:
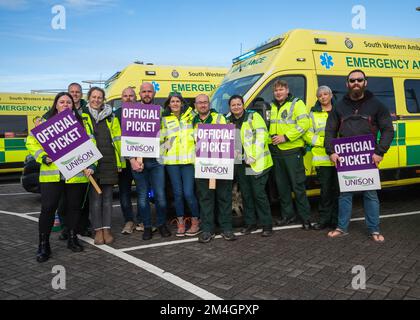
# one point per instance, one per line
(177, 281)
(298, 226)
(17, 194)
(21, 215)
(157, 271)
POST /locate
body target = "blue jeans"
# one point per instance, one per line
(182, 181)
(125, 178)
(152, 175)
(371, 207)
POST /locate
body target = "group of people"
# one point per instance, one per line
(259, 148)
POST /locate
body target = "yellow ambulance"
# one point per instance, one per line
(17, 114)
(189, 81)
(307, 59)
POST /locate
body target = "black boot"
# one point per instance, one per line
(44, 249)
(73, 242)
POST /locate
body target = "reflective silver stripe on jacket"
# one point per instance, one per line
(314, 138)
(265, 154)
(79, 175)
(302, 116)
(300, 129)
(49, 173)
(180, 158)
(321, 158)
(38, 152)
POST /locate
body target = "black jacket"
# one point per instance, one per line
(355, 118)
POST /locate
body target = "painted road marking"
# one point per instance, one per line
(177, 281)
(167, 243)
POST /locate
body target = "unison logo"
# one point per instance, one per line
(74, 162)
(214, 169)
(135, 146)
(358, 181)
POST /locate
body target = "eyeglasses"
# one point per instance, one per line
(357, 79)
(202, 102)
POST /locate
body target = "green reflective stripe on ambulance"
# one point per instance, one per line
(2, 157)
(401, 135)
(14, 144)
(413, 155)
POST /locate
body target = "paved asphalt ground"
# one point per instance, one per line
(292, 264)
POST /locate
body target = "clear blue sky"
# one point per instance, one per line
(103, 36)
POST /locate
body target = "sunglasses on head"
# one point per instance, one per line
(356, 79)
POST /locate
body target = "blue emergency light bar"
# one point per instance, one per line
(254, 52)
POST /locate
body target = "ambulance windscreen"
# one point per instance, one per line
(221, 97)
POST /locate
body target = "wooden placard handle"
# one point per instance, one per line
(212, 184)
(95, 185)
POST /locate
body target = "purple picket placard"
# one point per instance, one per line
(140, 120)
(215, 141)
(355, 153)
(60, 135)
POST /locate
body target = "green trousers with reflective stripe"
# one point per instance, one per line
(215, 204)
(254, 197)
(289, 173)
(330, 190)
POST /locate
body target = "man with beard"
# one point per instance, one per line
(359, 113)
(150, 172)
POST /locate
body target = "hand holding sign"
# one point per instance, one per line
(356, 163)
(215, 152)
(66, 143)
(377, 159)
(335, 158)
(140, 127)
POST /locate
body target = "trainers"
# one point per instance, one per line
(128, 228)
(249, 229)
(164, 231)
(140, 227)
(228, 235)
(180, 232)
(206, 237)
(194, 229)
(267, 232)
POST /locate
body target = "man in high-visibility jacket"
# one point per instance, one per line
(216, 202)
(325, 169)
(288, 123)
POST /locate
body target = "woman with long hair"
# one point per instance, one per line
(54, 185)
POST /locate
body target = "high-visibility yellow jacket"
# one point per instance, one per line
(50, 173)
(177, 138)
(114, 128)
(212, 118)
(290, 120)
(254, 139)
(315, 137)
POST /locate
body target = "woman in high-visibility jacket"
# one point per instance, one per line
(326, 171)
(107, 131)
(178, 144)
(255, 162)
(53, 185)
